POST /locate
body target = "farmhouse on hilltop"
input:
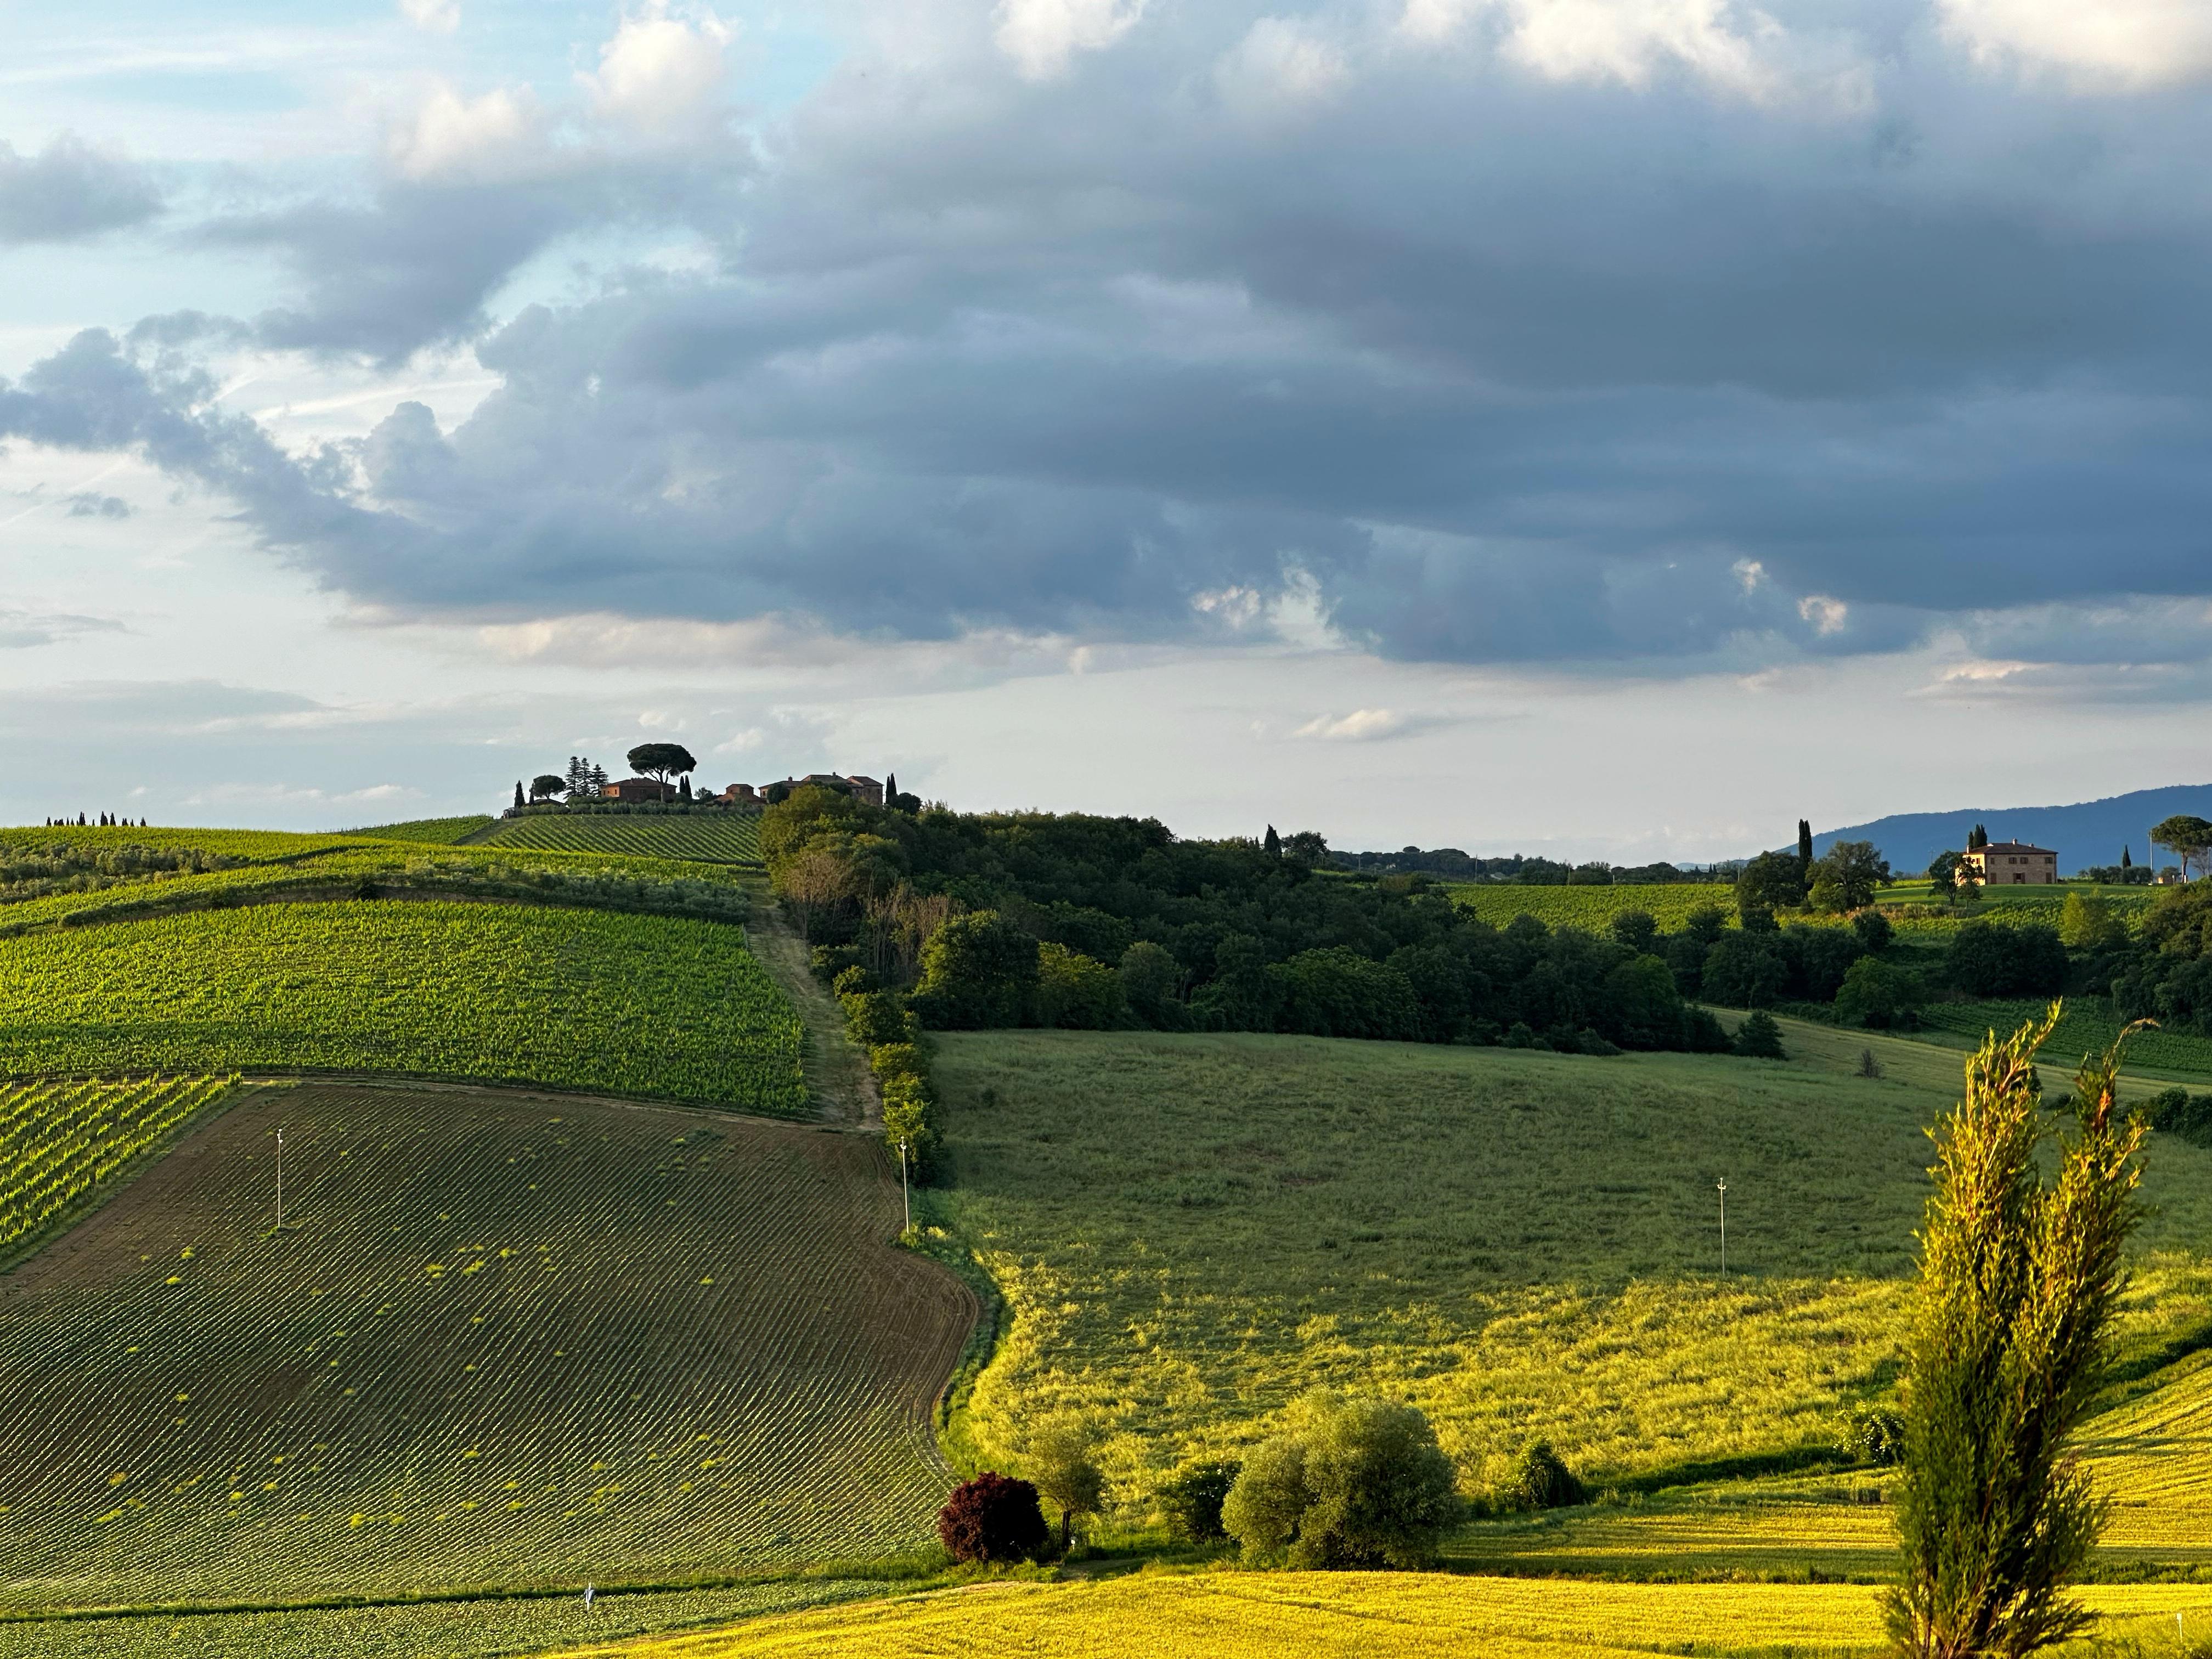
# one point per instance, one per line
(637, 789)
(2002, 863)
(860, 788)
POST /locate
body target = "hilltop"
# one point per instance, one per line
(2087, 833)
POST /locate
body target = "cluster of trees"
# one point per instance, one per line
(1021, 919)
(586, 780)
(2167, 977)
(2189, 838)
(1844, 879)
(1449, 864)
(100, 820)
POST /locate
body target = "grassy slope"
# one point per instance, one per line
(435, 832)
(639, 1005)
(712, 838)
(504, 1342)
(1366, 1616)
(1192, 1229)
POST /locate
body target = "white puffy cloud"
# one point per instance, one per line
(437, 16)
(1043, 36)
(662, 71)
(452, 137)
(2095, 43)
(1360, 726)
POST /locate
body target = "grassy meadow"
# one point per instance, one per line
(502, 1342)
(1379, 1615)
(1191, 1229)
(582, 999)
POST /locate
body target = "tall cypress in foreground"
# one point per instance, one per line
(2019, 1286)
(1805, 851)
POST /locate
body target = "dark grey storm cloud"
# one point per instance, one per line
(69, 190)
(1852, 338)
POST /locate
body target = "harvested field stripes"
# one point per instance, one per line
(500, 1342)
(718, 838)
(1367, 1615)
(577, 998)
(59, 1140)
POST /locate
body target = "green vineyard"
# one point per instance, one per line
(1592, 909)
(61, 1140)
(435, 832)
(717, 837)
(649, 1006)
(498, 1342)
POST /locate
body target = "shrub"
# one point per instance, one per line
(2177, 1112)
(1193, 1499)
(1346, 1482)
(1075, 992)
(1702, 1034)
(1874, 1434)
(993, 1518)
(853, 981)
(1758, 1037)
(1874, 930)
(1876, 996)
(873, 1019)
(1541, 1480)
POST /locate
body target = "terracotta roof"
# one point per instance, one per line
(2016, 847)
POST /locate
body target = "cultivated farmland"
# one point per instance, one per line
(715, 837)
(60, 1141)
(1191, 1230)
(1367, 1615)
(582, 999)
(1591, 909)
(435, 832)
(502, 1340)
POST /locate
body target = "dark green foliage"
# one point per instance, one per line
(2187, 836)
(1541, 1479)
(1337, 992)
(1771, 882)
(1076, 993)
(1193, 1501)
(1990, 959)
(851, 981)
(1873, 931)
(661, 761)
(994, 1519)
(1943, 874)
(2172, 980)
(1704, 1034)
(2020, 1287)
(977, 970)
(1746, 970)
(1149, 981)
(2177, 1112)
(1845, 879)
(1346, 1482)
(1805, 851)
(1272, 843)
(1758, 1037)
(1879, 996)
(875, 1017)
(1875, 1435)
(1634, 929)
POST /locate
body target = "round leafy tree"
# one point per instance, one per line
(993, 1518)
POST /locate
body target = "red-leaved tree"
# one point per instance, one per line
(993, 1518)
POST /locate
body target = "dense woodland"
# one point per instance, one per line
(1023, 919)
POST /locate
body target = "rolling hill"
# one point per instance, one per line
(2086, 832)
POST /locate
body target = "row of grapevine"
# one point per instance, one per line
(709, 837)
(500, 1341)
(60, 1139)
(639, 1005)
(1592, 909)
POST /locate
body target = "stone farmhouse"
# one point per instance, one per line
(867, 789)
(2004, 863)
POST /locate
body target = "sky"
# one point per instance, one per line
(1607, 428)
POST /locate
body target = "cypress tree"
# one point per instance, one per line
(518, 794)
(2020, 1287)
(2126, 861)
(891, 787)
(1274, 843)
(1805, 849)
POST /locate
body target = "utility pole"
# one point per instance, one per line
(1724, 1192)
(280, 1179)
(906, 1202)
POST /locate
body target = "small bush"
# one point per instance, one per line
(1346, 1482)
(1868, 1066)
(1874, 1434)
(853, 981)
(1541, 1480)
(1758, 1037)
(993, 1518)
(1702, 1034)
(1193, 1501)
(2177, 1112)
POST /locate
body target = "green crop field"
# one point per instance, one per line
(1191, 1229)
(2088, 1025)
(436, 832)
(60, 1141)
(719, 837)
(1592, 909)
(502, 1340)
(582, 999)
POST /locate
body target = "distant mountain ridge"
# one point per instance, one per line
(2089, 832)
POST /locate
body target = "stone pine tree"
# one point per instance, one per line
(2019, 1284)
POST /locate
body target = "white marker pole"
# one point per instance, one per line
(280, 1181)
(1723, 1191)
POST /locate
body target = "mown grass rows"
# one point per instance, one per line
(497, 1345)
(578, 999)
(60, 1141)
(1378, 1615)
(718, 838)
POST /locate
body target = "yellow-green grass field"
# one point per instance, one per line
(1189, 1231)
(712, 838)
(577, 998)
(503, 1340)
(1379, 1616)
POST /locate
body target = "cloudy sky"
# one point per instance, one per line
(1613, 427)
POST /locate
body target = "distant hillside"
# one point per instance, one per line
(2091, 832)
